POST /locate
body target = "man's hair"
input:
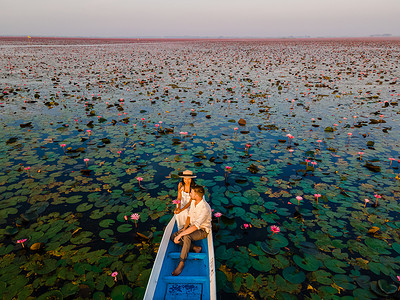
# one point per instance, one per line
(198, 189)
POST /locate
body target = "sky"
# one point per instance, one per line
(199, 18)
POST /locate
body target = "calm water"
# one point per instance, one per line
(337, 98)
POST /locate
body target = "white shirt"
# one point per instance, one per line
(200, 215)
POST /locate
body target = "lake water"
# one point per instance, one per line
(81, 120)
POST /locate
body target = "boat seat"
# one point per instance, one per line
(186, 279)
(191, 255)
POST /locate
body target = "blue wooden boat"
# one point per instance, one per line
(197, 280)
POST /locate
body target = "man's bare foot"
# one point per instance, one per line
(178, 269)
(197, 249)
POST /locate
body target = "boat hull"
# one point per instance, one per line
(197, 280)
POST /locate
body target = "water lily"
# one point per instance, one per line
(275, 229)
(391, 160)
(63, 145)
(317, 196)
(299, 198)
(27, 170)
(89, 132)
(377, 197)
(86, 161)
(218, 215)
(319, 143)
(22, 242)
(360, 153)
(140, 180)
(176, 201)
(114, 274)
(365, 202)
(135, 217)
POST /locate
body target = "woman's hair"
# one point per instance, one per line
(192, 183)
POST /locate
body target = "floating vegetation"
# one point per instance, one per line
(291, 139)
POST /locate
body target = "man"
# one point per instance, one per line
(197, 226)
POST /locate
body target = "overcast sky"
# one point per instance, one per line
(159, 18)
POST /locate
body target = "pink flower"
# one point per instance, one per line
(275, 229)
(291, 150)
(366, 200)
(377, 196)
(317, 195)
(143, 119)
(361, 153)
(307, 160)
(139, 179)
(299, 198)
(246, 226)
(228, 168)
(398, 277)
(248, 145)
(313, 163)
(135, 216)
(217, 214)
(63, 145)
(27, 168)
(350, 134)
(86, 159)
(114, 274)
(176, 201)
(156, 125)
(22, 242)
(319, 141)
(119, 152)
(236, 128)
(126, 218)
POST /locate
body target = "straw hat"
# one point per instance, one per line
(187, 174)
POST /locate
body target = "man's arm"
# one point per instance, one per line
(185, 232)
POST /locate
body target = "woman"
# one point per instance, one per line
(184, 189)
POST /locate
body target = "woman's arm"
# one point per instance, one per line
(179, 197)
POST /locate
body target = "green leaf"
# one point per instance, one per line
(293, 276)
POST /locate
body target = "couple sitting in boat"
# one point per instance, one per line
(193, 217)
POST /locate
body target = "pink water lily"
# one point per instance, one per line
(89, 132)
(22, 241)
(360, 153)
(275, 229)
(135, 217)
(317, 196)
(27, 170)
(114, 274)
(63, 145)
(176, 201)
(217, 214)
(366, 201)
(307, 161)
(86, 161)
(319, 143)
(139, 179)
(299, 198)
(377, 197)
(391, 160)
(245, 226)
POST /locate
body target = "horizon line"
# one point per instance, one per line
(200, 37)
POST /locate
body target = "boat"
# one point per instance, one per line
(197, 280)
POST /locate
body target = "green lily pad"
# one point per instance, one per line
(54, 294)
(323, 277)
(84, 207)
(118, 249)
(396, 247)
(387, 288)
(106, 223)
(267, 249)
(335, 265)
(293, 276)
(124, 228)
(121, 292)
(308, 263)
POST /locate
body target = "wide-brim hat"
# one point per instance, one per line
(187, 174)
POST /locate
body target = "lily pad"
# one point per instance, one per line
(293, 276)
(308, 263)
